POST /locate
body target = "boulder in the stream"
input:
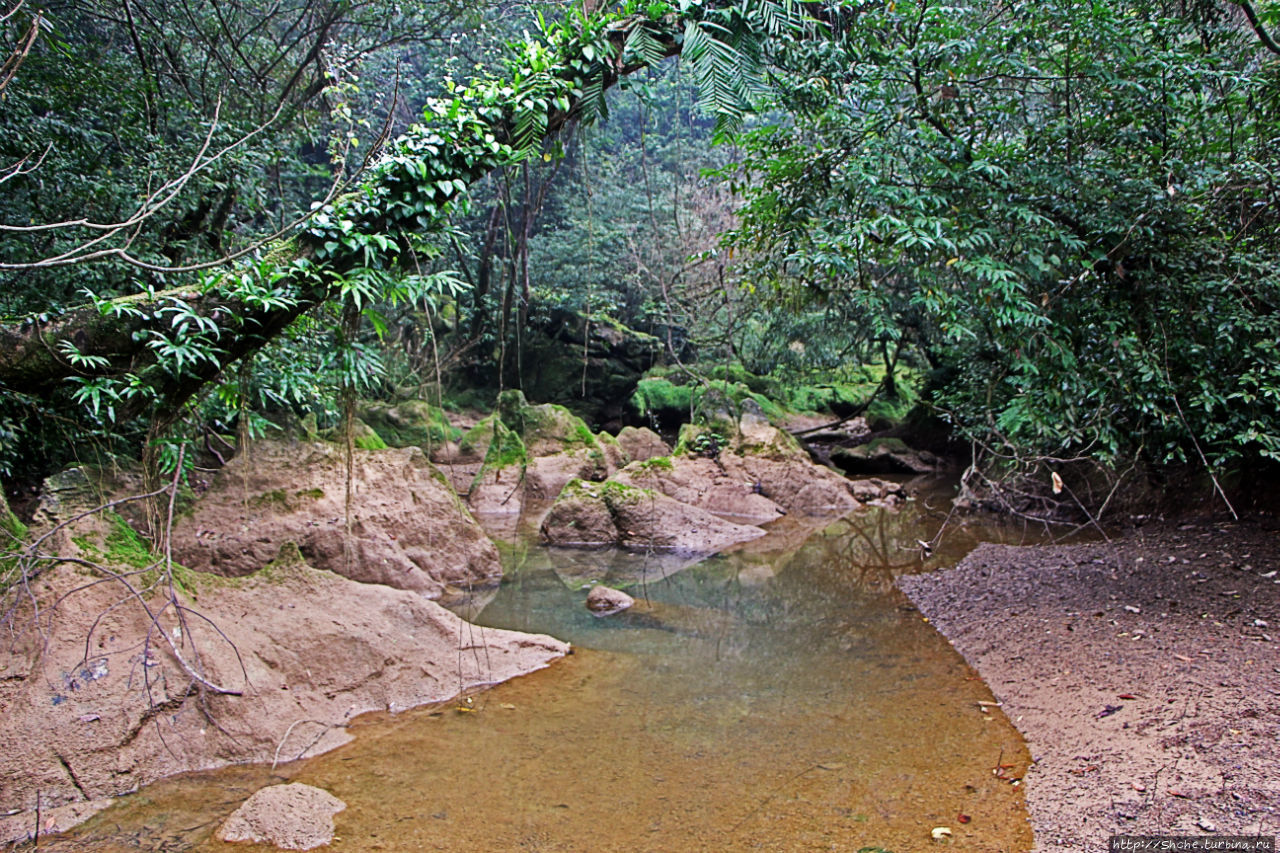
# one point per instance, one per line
(605, 600)
(291, 817)
(598, 515)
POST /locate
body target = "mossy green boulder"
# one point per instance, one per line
(413, 423)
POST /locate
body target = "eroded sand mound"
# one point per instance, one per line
(408, 529)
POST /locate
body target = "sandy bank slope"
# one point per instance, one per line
(308, 649)
(1142, 673)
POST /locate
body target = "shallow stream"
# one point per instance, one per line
(781, 697)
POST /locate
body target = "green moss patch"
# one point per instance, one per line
(123, 548)
(370, 442)
(413, 423)
(675, 397)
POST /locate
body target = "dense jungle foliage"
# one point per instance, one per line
(1061, 216)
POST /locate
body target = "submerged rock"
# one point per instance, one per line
(604, 600)
(407, 527)
(599, 515)
(292, 817)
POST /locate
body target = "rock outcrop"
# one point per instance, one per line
(597, 515)
(407, 527)
(303, 650)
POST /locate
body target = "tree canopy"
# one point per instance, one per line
(1065, 210)
(1066, 206)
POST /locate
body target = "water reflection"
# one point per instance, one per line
(783, 696)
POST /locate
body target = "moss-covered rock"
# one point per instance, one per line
(546, 428)
(533, 451)
(498, 485)
(413, 423)
(669, 399)
(363, 436)
(474, 443)
(750, 434)
(730, 467)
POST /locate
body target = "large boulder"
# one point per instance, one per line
(884, 456)
(533, 451)
(597, 515)
(641, 443)
(723, 489)
(304, 650)
(407, 528)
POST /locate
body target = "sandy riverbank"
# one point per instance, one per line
(1144, 673)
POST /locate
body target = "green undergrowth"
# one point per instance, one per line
(13, 534)
(665, 392)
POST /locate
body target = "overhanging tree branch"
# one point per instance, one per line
(377, 228)
(1268, 42)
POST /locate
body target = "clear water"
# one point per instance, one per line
(782, 697)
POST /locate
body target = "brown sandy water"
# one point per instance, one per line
(783, 697)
